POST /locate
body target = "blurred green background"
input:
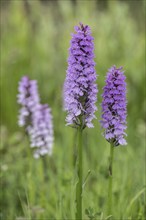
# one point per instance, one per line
(35, 39)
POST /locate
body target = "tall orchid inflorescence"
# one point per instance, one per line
(114, 106)
(80, 94)
(80, 90)
(35, 117)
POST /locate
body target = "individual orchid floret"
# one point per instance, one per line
(114, 110)
(80, 89)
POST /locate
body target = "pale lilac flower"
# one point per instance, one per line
(41, 131)
(36, 118)
(28, 98)
(114, 110)
(80, 89)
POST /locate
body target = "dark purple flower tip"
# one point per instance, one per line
(82, 28)
(80, 89)
(114, 109)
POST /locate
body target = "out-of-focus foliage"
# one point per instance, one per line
(34, 41)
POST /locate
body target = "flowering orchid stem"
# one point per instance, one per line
(110, 180)
(79, 173)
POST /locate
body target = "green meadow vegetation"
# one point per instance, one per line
(35, 38)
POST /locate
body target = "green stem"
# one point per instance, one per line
(79, 183)
(109, 211)
(44, 161)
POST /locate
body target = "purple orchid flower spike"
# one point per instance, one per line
(80, 89)
(114, 110)
(36, 118)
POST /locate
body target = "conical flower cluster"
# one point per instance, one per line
(80, 89)
(114, 107)
(36, 117)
